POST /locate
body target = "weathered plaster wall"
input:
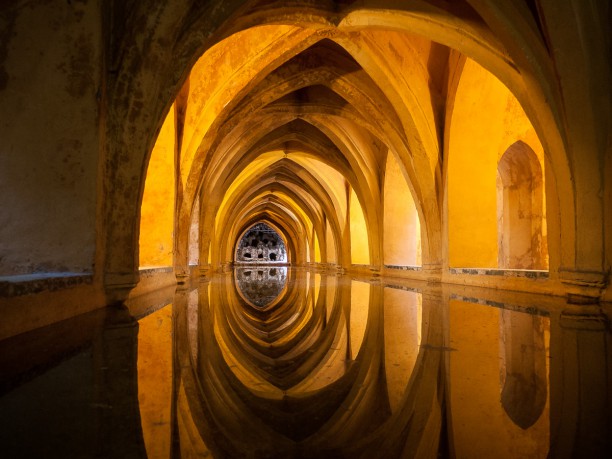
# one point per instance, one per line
(486, 119)
(50, 85)
(194, 234)
(521, 225)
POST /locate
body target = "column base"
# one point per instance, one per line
(583, 287)
(117, 286)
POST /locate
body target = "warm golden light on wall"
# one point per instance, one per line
(486, 121)
(157, 213)
(335, 170)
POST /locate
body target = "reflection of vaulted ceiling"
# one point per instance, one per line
(291, 127)
(306, 376)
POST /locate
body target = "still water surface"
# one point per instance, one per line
(286, 363)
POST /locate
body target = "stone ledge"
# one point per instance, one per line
(524, 273)
(403, 287)
(500, 304)
(404, 267)
(156, 269)
(27, 284)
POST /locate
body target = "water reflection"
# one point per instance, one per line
(338, 367)
(261, 285)
(496, 393)
(331, 367)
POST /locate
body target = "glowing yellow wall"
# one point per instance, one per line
(317, 249)
(486, 119)
(402, 231)
(331, 246)
(157, 211)
(477, 124)
(360, 254)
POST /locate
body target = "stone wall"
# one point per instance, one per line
(50, 89)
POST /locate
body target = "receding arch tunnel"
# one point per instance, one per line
(337, 139)
(406, 153)
(335, 110)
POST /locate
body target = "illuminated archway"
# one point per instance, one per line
(485, 118)
(409, 111)
(261, 244)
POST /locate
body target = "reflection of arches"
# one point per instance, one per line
(523, 360)
(261, 287)
(520, 213)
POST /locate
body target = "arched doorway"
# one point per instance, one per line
(261, 244)
(521, 220)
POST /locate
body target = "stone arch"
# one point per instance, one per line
(483, 119)
(521, 214)
(461, 30)
(303, 196)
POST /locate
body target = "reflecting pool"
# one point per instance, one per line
(274, 362)
(261, 286)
